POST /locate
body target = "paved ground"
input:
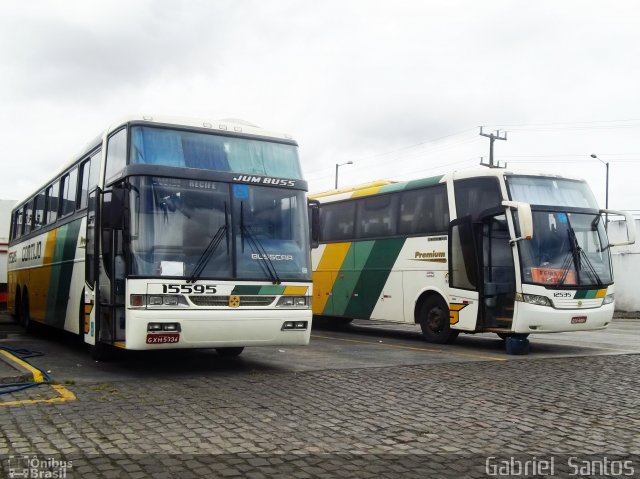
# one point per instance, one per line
(362, 402)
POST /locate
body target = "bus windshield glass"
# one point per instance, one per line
(188, 149)
(543, 190)
(213, 230)
(567, 249)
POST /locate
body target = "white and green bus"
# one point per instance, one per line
(168, 233)
(472, 251)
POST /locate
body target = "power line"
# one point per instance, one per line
(416, 145)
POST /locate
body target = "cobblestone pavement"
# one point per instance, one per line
(440, 420)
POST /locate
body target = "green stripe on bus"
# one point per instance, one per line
(362, 277)
(64, 254)
(586, 294)
(433, 180)
(343, 288)
(257, 290)
(374, 276)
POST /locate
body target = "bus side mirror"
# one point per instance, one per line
(525, 219)
(113, 208)
(631, 226)
(314, 222)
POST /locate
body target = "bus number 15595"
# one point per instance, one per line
(188, 289)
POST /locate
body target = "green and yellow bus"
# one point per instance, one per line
(471, 251)
(168, 233)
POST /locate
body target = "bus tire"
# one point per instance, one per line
(434, 321)
(517, 344)
(25, 318)
(17, 306)
(229, 352)
(101, 351)
(504, 336)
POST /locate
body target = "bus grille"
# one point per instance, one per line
(577, 304)
(224, 300)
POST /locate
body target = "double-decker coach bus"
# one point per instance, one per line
(166, 233)
(470, 251)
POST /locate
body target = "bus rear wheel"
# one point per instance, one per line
(229, 352)
(25, 318)
(434, 321)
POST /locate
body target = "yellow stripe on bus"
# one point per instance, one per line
(601, 293)
(331, 261)
(372, 190)
(295, 290)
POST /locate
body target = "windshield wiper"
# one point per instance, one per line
(258, 248)
(576, 254)
(211, 247)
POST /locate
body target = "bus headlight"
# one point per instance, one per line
(533, 299)
(608, 299)
(293, 302)
(157, 301)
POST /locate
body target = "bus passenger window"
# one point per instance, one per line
(68, 192)
(52, 203)
(38, 218)
(475, 195)
(337, 221)
(17, 224)
(83, 188)
(28, 217)
(377, 216)
(116, 154)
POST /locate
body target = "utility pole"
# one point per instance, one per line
(493, 137)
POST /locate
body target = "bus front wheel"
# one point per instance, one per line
(434, 321)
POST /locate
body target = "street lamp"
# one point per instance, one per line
(606, 194)
(338, 165)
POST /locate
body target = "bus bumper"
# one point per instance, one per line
(216, 329)
(531, 318)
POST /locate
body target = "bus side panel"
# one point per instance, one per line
(60, 285)
(377, 258)
(327, 261)
(423, 262)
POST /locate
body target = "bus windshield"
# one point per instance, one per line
(544, 190)
(188, 149)
(213, 230)
(567, 249)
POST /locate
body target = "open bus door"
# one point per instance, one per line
(464, 295)
(104, 323)
(91, 301)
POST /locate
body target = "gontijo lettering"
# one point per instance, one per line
(32, 251)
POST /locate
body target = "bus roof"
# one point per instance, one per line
(385, 186)
(225, 125)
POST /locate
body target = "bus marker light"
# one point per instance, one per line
(288, 325)
(301, 325)
(154, 326)
(137, 300)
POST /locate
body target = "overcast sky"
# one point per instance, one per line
(399, 88)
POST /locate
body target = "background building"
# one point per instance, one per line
(5, 216)
(626, 264)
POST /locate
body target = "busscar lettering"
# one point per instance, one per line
(272, 257)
